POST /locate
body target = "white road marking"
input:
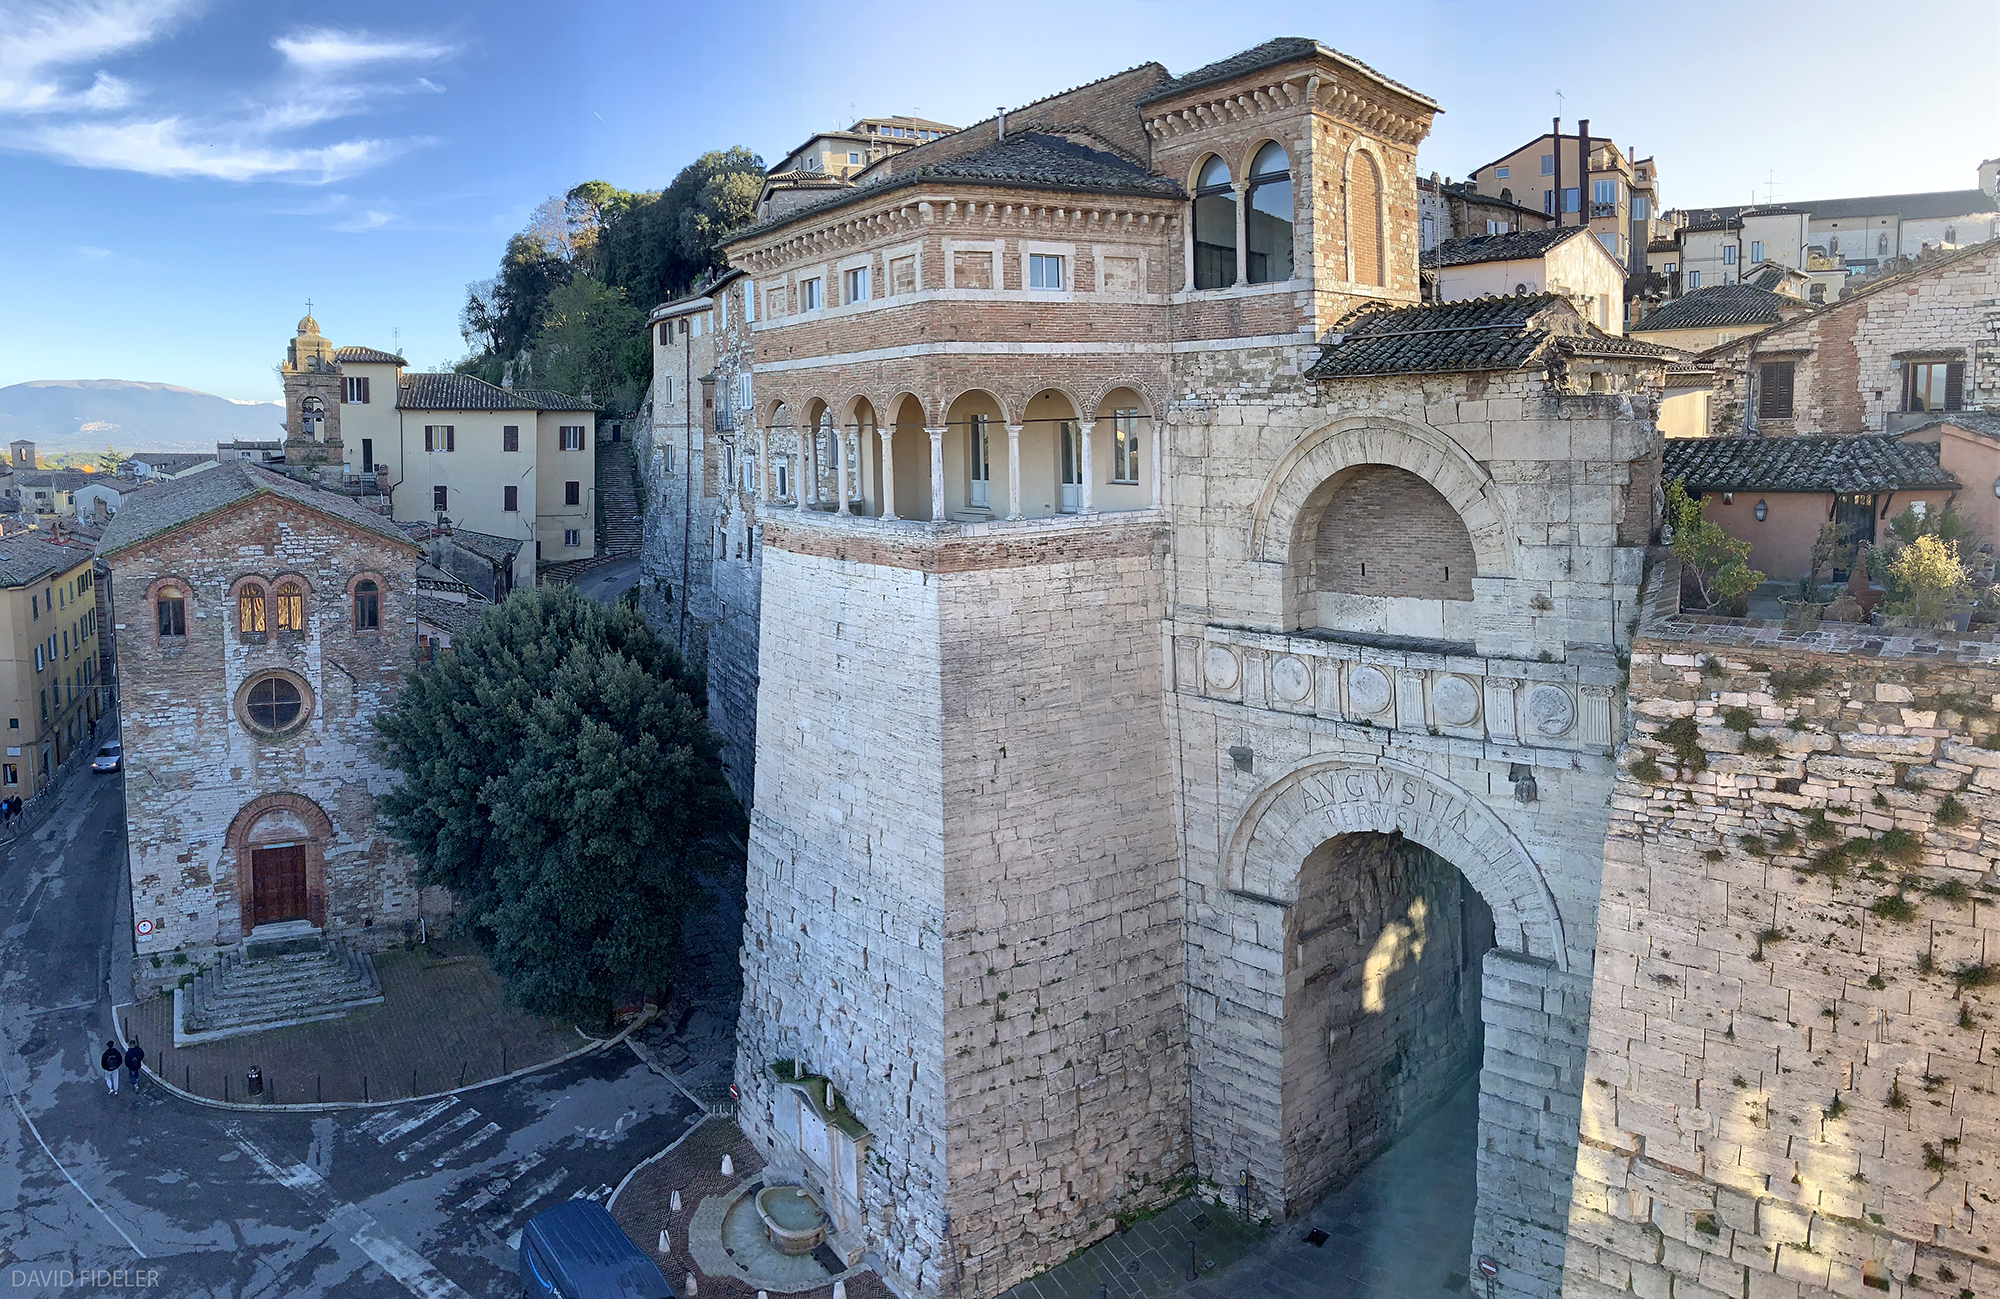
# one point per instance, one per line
(505, 1184)
(436, 1135)
(465, 1145)
(16, 1100)
(409, 1125)
(405, 1265)
(542, 1188)
(375, 1124)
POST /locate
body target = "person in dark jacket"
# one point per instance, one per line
(110, 1062)
(135, 1055)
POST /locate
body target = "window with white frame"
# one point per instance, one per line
(571, 436)
(572, 536)
(976, 456)
(1694, 279)
(1756, 250)
(809, 294)
(854, 285)
(1125, 446)
(1499, 173)
(1729, 254)
(667, 457)
(1045, 271)
(781, 476)
(667, 390)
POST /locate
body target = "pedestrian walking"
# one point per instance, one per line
(135, 1055)
(110, 1062)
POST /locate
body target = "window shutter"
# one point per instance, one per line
(1774, 397)
(451, 437)
(364, 390)
(429, 431)
(1954, 386)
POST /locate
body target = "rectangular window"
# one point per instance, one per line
(1125, 446)
(1756, 250)
(749, 301)
(173, 615)
(1610, 242)
(1570, 199)
(572, 536)
(1774, 390)
(666, 333)
(571, 436)
(510, 498)
(438, 497)
(510, 437)
(667, 458)
(667, 389)
(1641, 207)
(10, 774)
(853, 158)
(1729, 254)
(1045, 271)
(1694, 279)
(1934, 386)
(1548, 202)
(355, 391)
(1548, 164)
(39, 665)
(781, 474)
(903, 275)
(1499, 173)
(855, 288)
(1604, 191)
(35, 607)
(440, 437)
(572, 493)
(809, 294)
(981, 465)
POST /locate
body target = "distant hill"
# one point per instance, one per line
(75, 414)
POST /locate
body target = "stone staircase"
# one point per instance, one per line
(620, 523)
(265, 985)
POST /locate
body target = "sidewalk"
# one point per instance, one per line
(444, 1023)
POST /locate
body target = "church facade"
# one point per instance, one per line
(1187, 673)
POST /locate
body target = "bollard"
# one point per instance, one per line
(1194, 1272)
(728, 1166)
(413, 1082)
(364, 1089)
(666, 1243)
(253, 1082)
(225, 1089)
(461, 1073)
(692, 1288)
(319, 1088)
(674, 1202)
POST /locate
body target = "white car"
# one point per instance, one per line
(110, 757)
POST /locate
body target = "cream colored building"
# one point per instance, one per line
(48, 656)
(515, 464)
(1618, 200)
(1565, 260)
(868, 141)
(1710, 317)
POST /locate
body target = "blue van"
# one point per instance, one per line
(575, 1251)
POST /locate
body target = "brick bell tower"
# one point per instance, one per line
(312, 398)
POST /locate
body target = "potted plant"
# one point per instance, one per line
(1712, 561)
(1931, 583)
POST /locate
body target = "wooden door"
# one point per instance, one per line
(277, 884)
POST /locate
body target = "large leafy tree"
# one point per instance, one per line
(560, 776)
(581, 348)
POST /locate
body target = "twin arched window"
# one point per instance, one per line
(1266, 221)
(250, 612)
(291, 609)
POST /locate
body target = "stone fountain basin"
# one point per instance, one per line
(792, 1219)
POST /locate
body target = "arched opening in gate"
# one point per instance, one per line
(1382, 1028)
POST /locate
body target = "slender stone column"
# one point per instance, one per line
(1242, 191)
(937, 474)
(764, 462)
(1083, 504)
(837, 444)
(886, 435)
(1013, 471)
(809, 449)
(800, 474)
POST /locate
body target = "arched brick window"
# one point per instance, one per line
(1364, 220)
(250, 621)
(290, 613)
(367, 605)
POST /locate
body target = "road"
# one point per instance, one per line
(419, 1199)
(607, 582)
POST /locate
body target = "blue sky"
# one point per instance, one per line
(181, 175)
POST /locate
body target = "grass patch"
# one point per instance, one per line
(1684, 738)
(1950, 891)
(1754, 845)
(1793, 683)
(1898, 1101)
(1894, 906)
(1818, 828)
(1900, 846)
(1711, 666)
(1838, 1108)
(1976, 976)
(1738, 720)
(1785, 840)
(1952, 812)
(1647, 771)
(1761, 746)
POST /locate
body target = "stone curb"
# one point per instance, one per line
(654, 1158)
(596, 1044)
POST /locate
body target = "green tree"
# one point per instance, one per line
(559, 775)
(1929, 570)
(582, 345)
(111, 460)
(1715, 559)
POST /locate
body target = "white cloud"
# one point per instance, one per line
(327, 49)
(370, 219)
(92, 253)
(169, 147)
(40, 42)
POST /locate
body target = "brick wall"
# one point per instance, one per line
(1792, 1051)
(1387, 532)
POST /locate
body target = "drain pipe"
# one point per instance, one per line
(1556, 148)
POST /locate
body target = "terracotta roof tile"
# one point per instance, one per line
(1848, 464)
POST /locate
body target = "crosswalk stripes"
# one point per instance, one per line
(465, 1145)
(508, 1198)
(437, 1135)
(416, 1121)
(502, 1183)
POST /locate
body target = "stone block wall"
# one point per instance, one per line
(1793, 1050)
(193, 768)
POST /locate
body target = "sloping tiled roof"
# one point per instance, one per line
(170, 462)
(1849, 300)
(454, 617)
(148, 514)
(1720, 304)
(1853, 463)
(367, 355)
(30, 556)
(64, 480)
(1458, 337)
(1910, 207)
(1514, 246)
(1282, 49)
(464, 392)
(1986, 423)
(550, 399)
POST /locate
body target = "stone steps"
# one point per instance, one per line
(620, 523)
(240, 995)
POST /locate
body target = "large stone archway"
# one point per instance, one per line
(1533, 1007)
(275, 823)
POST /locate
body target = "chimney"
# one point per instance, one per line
(1557, 135)
(1002, 111)
(1583, 171)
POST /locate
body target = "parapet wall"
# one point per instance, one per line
(1795, 1032)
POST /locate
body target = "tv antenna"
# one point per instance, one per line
(1559, 103)
(1770, 187)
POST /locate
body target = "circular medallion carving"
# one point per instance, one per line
(1455, 700)
(1550, 710)
(1368, 690)
(1218, 667)
(1291, 680)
